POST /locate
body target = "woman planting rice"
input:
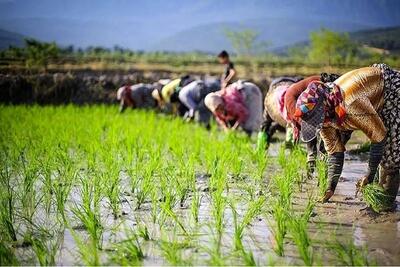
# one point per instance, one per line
(168, 94)
(291, 96)
(366, 99)
(280, 106)
(136, 96)
(239, 104)
(274, 111)
(192, 96)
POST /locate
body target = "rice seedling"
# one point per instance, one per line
(155, 209)
(298, 227)
(7, 255)
(239, 227)
(184, 179)
(66, 175)
(218, 208)
(172, 250)
(195, 205)
(83, 170)
(88, 214)
(166, 208)
(7, 208)
(348, 254)
(144, 185)
(279, 226)
(236, 165)
(128, 252)
(46, 249)
(214, 252)
(143, 232)
(28, 191)
(112, 188)
(322, 176)
(376, 197)
(47, 189)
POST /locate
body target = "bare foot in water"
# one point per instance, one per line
(327, 196)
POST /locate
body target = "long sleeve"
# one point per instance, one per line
(221, 121)
(241, 112)
(332, 140)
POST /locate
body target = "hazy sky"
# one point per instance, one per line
(141, 24)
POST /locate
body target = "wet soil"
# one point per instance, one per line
(343, 218)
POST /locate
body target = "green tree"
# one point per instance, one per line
(331, 48)
(244, 42)
(298, 53)
(38, 54)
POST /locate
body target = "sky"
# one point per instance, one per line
(142, 24)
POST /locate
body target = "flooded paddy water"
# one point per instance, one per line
(224, 221)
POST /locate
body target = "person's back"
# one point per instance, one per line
(141, 95)
(362, 83)
(169, 89)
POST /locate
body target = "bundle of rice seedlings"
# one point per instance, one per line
(376, 197)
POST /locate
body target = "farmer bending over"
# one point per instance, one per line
(291, 96)
(136, 96)
(168, 94)
(239, 104)
(366, 99)
(192, 96)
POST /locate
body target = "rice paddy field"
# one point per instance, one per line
(88, 186)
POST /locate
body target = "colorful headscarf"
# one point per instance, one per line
(309, 99)
(334, 103)
(317, 104)
(332, 97)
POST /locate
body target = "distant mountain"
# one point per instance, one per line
(381, 38)
(147, 25)
(10, 38)
(278, 32)
(384, 38)
(127, 33)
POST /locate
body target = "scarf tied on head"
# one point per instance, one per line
(334, 105)
(332, 98)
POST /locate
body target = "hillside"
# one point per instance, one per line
(384, 38)
(380, 38)
(10, 38)
(278, 32)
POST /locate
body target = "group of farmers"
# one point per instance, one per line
(325, 107)
(234, 104)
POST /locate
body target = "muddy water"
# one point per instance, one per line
(380, 233)
(342, 218)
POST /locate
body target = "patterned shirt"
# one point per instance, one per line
(363, 100)
(235, 108)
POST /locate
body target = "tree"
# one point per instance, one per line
(39, 53)
(298, 53)
(331, 47)
(244, 42)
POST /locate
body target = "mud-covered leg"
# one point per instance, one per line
(312, 153)
(335, 167)
(203, 115)
(263, 136)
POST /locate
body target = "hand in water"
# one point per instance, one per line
(363, 181)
